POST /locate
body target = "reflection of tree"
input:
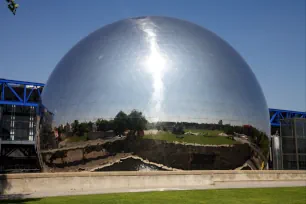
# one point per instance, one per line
(47, 136)
(120, 123)
(67, 128)
(178, 129)
(83, 128)
(103, 125)
(90, 126)
(75, 126)
(136, 121)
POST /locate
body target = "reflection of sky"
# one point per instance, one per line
(155, 65)
(170, 70)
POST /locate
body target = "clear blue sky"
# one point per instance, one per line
(269, 34)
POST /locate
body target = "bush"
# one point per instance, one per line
(178, 130)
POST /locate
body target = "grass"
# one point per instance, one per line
(198, 139)
(294, 195)
(208, 132)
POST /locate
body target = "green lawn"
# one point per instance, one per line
(226, 196)
(198, 139)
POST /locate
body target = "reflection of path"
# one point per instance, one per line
(254, 148)
(90, 165)
(120, 159)
(81, 145)
(150, 132)
(252, 145)
(249, 164)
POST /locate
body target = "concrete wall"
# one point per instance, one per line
(54, 184)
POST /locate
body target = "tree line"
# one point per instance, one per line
(135, 121)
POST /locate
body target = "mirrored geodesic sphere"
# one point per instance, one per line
(159, 89)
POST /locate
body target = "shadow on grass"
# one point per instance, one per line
(11, 198)
(4, 185)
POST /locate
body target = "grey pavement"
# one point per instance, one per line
(215, 185)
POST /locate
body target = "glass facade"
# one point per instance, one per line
(18, 123)
(293, 143)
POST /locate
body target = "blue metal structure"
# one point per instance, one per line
(19, 104)
(276, 115)
(29, 88)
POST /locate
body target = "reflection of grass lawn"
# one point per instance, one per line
(208, 132)
(198, 139)
(229, 196)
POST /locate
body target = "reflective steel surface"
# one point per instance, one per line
(168, 69)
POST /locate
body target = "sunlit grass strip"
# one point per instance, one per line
(192, 139)
(294, 195)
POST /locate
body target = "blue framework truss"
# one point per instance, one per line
(276, 115)
(29, 88)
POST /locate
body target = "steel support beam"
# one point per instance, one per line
(22, 97)
(277, 114)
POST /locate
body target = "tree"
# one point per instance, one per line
(67, 128)
(136, 121)
(83, 128)
(120, 123)
(60, 129)
(102, 125)
(178, 129)
(111, 125)
(12, 6)
(220, 122)
(75, 126)
(90, 126)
